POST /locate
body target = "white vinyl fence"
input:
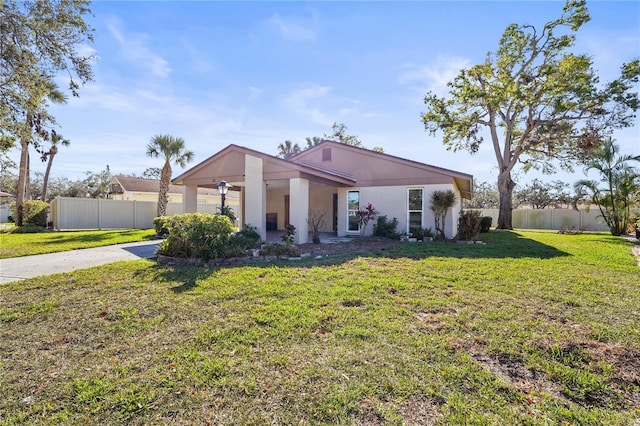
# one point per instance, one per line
(553, 219)
(4, 213)
(91, 213)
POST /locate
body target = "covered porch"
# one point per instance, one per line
(273, 192)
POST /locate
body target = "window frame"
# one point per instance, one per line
(349, 210)
(410, 210)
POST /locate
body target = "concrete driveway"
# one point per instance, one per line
(20, 268)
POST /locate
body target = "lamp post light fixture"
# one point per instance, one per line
(223, 187)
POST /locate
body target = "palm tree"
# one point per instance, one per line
(33, 130)
(441, 201)
(53, 150)
(621, 184)
(313, 141)
(288, 149)
(172, 149)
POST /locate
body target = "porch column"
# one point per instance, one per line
(255, 197)
(190, 199)
(299, 208)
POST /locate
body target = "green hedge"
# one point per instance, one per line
(204, 236)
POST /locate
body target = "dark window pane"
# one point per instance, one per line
(353, 222)
(415, 219)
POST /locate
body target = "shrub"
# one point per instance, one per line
(468, 225)
(200, 235)
(289, 232)
(386, 229)
(274, 249)
(421, 233)
(241, 241)
(28, 229)
(35, 212)
(161, 224)
(485, 223)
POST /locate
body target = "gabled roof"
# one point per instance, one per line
(372, 168)
(350, 166)
(228, 164)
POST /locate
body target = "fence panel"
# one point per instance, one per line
(91, 213)
(552, 219)
(4, 214)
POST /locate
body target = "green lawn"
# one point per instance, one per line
(16, 245)
(534, 328)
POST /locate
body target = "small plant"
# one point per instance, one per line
(161, 225)
(273, 249)
(289, 233)
(228, 212)
(468, 225)
(441, 201)
(316, 222)
(485, 223)
(420, 233)
(385, 228)
(365, 215)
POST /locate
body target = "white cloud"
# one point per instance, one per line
(304, 103)
(254, 93)
(433, 76)
(292, 29)
(134, 48)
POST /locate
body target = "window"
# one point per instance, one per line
(353, 205)
(326, 154)
(414, 214)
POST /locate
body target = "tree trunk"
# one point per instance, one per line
(165, 180)
(52, 152)
(505, 189)
(22, 181)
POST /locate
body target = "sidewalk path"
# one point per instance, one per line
(19, 268)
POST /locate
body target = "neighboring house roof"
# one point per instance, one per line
(6, 195)
(134, 184)
(328, 162)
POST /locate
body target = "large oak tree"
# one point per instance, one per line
(541, 105)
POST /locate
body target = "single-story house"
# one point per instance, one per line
(139, 189)
(333, 178)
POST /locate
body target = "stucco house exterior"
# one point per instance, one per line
(139, 189)
(330, 177)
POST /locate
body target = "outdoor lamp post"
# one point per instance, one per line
(223, 187)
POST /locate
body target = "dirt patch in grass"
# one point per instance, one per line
(358, 245)
(511, 370)
(415, 411)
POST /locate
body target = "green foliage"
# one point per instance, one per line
(468, 225)
(247, 238)
(421, 233)
(484, 196)
(289, 233)
(385, 228)
(161, 225)
(621, 186)
(35, 212)
(172, 150)
(228, 212)
(542, 104)
(197, 235)
(288, 149)
(485, 223)
(274, 249)
(541, 195)
(29, 229)
(441, 202)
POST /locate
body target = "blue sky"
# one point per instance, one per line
(257, 73)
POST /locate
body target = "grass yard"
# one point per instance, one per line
(534, 328)
(16, 245)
